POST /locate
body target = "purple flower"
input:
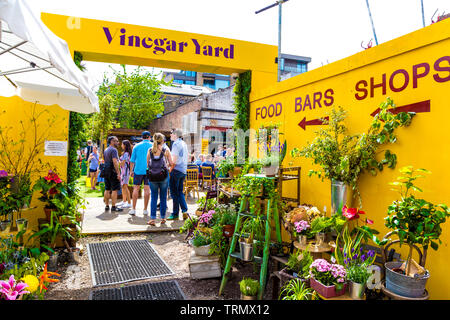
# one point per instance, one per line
(360, 249)
(363, 257)
(371, 253)
(355, 257)
(345, 254)
(353, 249)
(3, 173)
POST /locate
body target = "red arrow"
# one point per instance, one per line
(315, 122)
(422, 106)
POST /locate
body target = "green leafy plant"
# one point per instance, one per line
(219, 244)
(295, 289)
(226, 165)
(358, 273)
(212, 203)
(344, 157)
(201, 239)
(241, 106)
(415, 221)
(249, 287)
(189, 225)
(299, 262)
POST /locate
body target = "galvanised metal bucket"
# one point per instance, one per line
(341, 194)
(403, 285)
(246, 251)
(356, 290)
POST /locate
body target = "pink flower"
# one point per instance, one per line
(3, 173)
(301, 226)
(368, 221)
(10, 290)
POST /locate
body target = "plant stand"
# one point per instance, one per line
(272, 212)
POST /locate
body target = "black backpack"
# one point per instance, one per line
(157, 170)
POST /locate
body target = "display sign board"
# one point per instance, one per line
(56, 148)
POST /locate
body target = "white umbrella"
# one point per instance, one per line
(36, 65)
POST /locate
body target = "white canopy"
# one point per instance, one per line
(36, 65)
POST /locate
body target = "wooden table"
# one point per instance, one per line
(316, 252)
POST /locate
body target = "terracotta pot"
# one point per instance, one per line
(228, 230)
(326, 291)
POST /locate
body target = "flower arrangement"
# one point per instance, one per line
(328, 274)
(207, 217)
(348, 243)
(50, 186)
(301, 227)
(11, 290)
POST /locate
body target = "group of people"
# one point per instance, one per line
(152, 164)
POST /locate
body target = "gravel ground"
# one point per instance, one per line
(76, 283)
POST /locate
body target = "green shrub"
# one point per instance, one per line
(249, 287)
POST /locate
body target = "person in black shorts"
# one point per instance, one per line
(112, 173)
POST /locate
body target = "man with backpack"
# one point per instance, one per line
(178, 173)
(138, 171)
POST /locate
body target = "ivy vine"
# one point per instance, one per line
(242, 105)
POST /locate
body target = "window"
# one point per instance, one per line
(209, 83)
(222, 84)
(189, 82)
(191, 74)
(178, 81)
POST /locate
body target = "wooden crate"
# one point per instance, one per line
(204, 267)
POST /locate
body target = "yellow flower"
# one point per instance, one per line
(32, 282)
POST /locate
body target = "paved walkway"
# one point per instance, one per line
(97, 221)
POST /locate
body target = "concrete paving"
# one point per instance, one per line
(98, 221)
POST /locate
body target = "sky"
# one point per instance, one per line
(325, 30)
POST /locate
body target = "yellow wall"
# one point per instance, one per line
(14, 110)
(424, 144)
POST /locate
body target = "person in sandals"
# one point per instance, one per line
(160, 162)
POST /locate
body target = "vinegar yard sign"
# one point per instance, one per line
(106, 41)
(414, 71)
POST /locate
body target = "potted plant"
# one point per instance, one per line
(344, 157)
(246, 240)
(269, 144)
(301, 229)
(416, 222)
(329, 280)
(358, 274)
(297, 266)
(228, 219)
(49, 186)
(202, 244)
(249, 288)
(295, 289)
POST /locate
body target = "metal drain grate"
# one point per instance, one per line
(122, 261)
(166, 290)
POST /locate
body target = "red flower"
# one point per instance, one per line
(350, 213)
(52, 191)
(368, 221)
